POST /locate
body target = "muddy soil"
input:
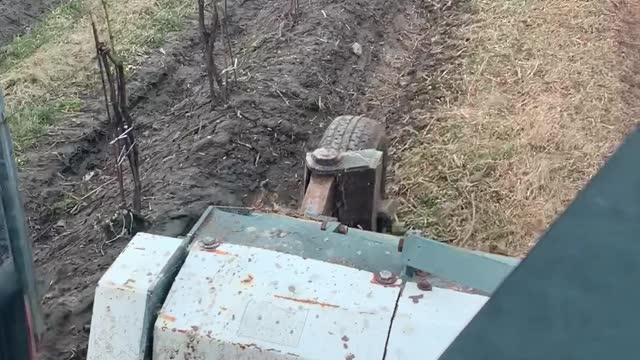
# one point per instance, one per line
(294, 77)
(18, 16)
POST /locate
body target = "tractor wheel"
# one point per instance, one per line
(352, 133)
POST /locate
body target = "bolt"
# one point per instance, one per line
(385, 277)
(210, 243)
(326, 156)
(424, 285)
(208, 240)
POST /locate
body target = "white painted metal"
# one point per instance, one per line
(128, 295)
(426, 322)
(238, 302)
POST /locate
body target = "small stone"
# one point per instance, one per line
(356, 48)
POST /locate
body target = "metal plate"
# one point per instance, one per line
(128, 295)
(481, 271)
(237, 302)
(363, 250)
(349, 161)
(426, 322)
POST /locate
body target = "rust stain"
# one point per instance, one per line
(248, 280)
(167, 317)
(216, 251)
(139, 248)
(223, 308)
(416, 298)
(345, 338)
(396, 284)
(306, 301)
(251, 345)
(349, 357)
(182, 331)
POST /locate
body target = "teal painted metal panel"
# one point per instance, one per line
(475, 269)
(358, 249)
(363, 250)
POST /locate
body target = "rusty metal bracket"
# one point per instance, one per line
(347, 186)
(319, 197)
(349, 161)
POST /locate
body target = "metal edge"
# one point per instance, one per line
(473, 269)
(198, 224)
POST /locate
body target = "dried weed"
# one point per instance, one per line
(539, 113)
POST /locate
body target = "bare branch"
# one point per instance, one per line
(209, 36)
(115, 91)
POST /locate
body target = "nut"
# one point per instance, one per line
(424, 285)
(385, 277)
(210, 243)
(326, 156)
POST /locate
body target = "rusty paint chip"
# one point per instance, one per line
(248, 280)
(306, 301)
(349, 357)
(167, 317)
(216, 251)
(345, 338)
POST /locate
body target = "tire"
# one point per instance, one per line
(353, 133)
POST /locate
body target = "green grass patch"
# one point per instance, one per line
(29, 123)
(37, 66)
(54, 25)
(166, 16)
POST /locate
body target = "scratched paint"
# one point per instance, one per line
(128, 293)
(307, 301)
(294, 308)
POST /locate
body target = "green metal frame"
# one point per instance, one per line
(363, 250)
(15, 229)
(479, 270)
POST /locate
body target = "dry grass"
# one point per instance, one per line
(540, 112)
(57, 61)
